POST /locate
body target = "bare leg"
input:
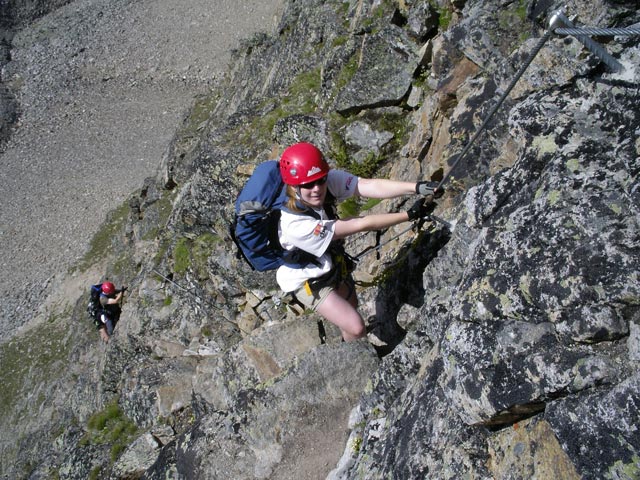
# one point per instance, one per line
(347, 290)
(104, 334)
(343, 314)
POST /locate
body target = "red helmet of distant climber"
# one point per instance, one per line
(108, 288)
(302, 163)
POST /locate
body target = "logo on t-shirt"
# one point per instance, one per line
(319, 230)
(348, 184)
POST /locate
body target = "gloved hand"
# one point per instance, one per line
(421, 209)
(429, 188)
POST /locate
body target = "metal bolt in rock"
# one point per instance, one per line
(559, 19)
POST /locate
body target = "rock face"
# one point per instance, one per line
(509, 342)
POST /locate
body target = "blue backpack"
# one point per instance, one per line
(255, 226)
(94, 309)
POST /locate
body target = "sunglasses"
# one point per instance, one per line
(310, 185)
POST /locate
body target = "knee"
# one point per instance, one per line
(360, 331)
(355, 331)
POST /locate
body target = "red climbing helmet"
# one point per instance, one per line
(302, 163)
(108, 288)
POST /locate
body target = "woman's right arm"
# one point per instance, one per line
(344, 228)
(379, 221)
(383, 188)
(115, 300)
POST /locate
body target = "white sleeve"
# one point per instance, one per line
(341, 184)
(306, 233)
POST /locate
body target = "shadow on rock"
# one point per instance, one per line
(402, 284)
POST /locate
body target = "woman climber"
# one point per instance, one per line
(307, 223)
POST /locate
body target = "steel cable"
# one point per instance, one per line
(599, 32)
(525, 65)
(580, 34)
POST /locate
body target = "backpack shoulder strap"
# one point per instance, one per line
(331, 206)
(303, 210)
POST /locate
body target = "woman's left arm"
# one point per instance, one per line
(383, 188)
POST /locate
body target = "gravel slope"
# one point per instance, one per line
(103, 84)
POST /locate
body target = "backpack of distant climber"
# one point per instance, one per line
(94, 309)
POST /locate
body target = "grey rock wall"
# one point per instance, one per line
(505, 347)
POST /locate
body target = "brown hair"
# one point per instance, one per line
(292, 201)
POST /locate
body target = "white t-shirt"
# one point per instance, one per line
(312, 235)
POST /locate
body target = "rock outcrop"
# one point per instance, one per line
(506, 346)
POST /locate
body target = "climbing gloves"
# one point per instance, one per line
(425, 206)
(421, 209)
(429, 188)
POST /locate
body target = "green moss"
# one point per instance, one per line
(163, 248)
(347, 73)
(30, 360)
(303, 90)
(203, 248)
(396, 124)
(525, 288)
(379, 15)
(444, 15)
(342, 9)
(370, 203)
(629, 470)
(338, 148)
(514, 18)
(554, 197)
(194, 254)
(164, 207)
(101, 243)
(364, 169)
(353, 207)
(189, 131)
(181, 257)
(206, 331)
(514, 14)
(616, 208)
(98, 421)
(124, 266)
(300, 98)
(349, 208)
(356, 445)
(521, 10)
(201, 111)
(339, 41)
(388, 122)
(111, 426)
(369, 167)
(573, 165)
(95, 473)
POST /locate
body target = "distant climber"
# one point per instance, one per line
(307, 223)
(105, 306)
